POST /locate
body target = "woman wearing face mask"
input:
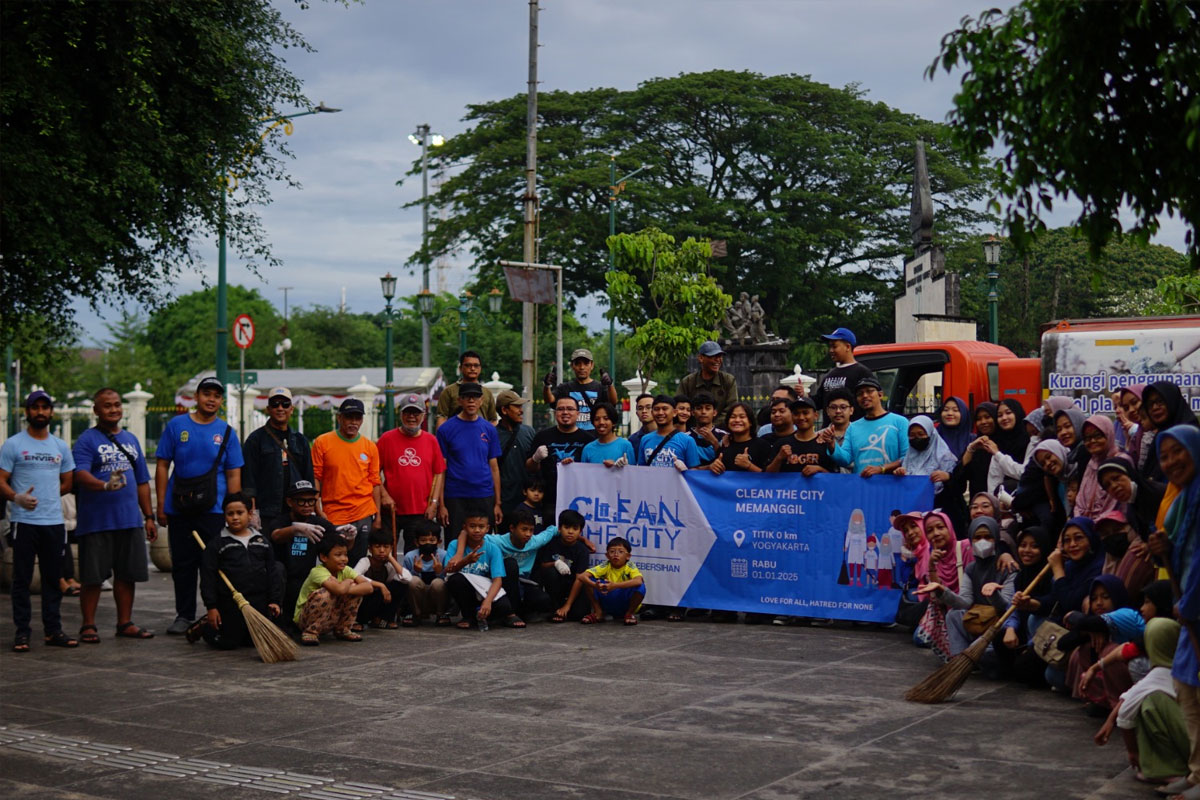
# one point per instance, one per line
(1100, 443)
(929, 455)
(948, 560)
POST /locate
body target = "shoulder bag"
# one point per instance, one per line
(198, 494)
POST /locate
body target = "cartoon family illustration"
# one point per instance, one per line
(869, 560)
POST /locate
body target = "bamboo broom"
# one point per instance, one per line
(271, 643)
(949, 678)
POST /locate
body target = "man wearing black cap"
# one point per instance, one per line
(586, 391)
(346, 469)
(276, 457)
(875, 444)
(413, 469)
(515, 440)
(846, 372)
(36, 468)
(470, 366)
(710, 380)
(208, 465)
(471, 446)
(295, 535)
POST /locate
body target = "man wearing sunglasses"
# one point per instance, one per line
(276, 457)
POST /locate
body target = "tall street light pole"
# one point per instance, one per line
(388, 284)
(615, 188)
(423, 138)
(466, 307)
(991, 253)
(529, 310)
(231, 181)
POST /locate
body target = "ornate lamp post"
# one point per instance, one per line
(991, 253)
(466, 305)
(388, 284)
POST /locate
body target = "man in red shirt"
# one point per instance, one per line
(413, 469)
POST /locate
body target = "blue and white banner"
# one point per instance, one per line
(777, 544)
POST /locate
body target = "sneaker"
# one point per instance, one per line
(780, 620)
(179, 627)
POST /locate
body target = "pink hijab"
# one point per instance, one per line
(1059, 403)
(921, 568)
(945, 569)
(1092, 501)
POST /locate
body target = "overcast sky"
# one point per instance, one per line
(394, 64)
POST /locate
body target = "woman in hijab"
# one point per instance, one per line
(948, 558)
(1163, 406)
(928, 455)
(1075, 563)
(1099, 440)
(1148, 714)
(1138, 498)
(1137, 444)
(983, 584)
(1052, 405)
(1111, 621)
(913, 561)
(954, 426)
(973, 467)
(1010, 447)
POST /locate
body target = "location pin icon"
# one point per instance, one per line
(739, 536)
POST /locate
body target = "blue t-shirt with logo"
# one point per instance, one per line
(36, 463)
(680, 446)
(597, 453)
(192, 448)
(102, 510)
(490, 563)
(468, 446)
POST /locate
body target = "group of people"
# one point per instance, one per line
(1080, 522)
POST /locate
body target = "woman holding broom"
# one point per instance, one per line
(948, 558)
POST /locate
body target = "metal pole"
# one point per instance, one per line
(529, 310)
(282, 352)
(424, 131)
(558, 334)
(10, 410)
(993, 312)
(612, 231)
(222, 303)
(242, 393)
(389, 412)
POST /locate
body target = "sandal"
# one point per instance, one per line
(20, 643)
(558, 617)
(60, 639)
(591, 619)
(89, 634)
(310, 639)
(675, 616)
(631, 618)
(392, 625)
(442, 621)
(513, 621)
(348, 636)
(464, 625)
(408, 621)
(130, 631)
(356, 627)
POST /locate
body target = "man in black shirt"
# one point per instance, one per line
(587, 392)
(782, 426)
(562, 442)
(846, 372)
(295, 535)
(803, 453)
(276, 456)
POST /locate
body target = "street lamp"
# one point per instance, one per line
(388, 284)
(423, 138)
(991, 254)
(466, 305)
(231, 181)
(615, 188)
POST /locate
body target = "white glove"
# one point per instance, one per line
(679, 465)
(348, 532)
(115, 481)
(26, 500)
(623, 461)
(905, 553)
(1005, 500)
(540, 454)
(562, 567)
(309, 531)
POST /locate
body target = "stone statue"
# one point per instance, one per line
(758, 328)
(737, 319)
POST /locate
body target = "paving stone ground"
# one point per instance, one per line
(684, 710)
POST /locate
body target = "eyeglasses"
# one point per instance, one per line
(279, 404)
(471, 365)
(305, 501)
(1095, 437)
(838, 407)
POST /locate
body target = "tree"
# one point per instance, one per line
(1095, 100)
(120, 122)
(808, 184)
(687, 304)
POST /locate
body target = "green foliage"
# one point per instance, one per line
(808, 184)
(1057, 279)
(324, 338)
(686, 304)
(1177, 294)
(182, 334)
(120, 120)
(1092, 99)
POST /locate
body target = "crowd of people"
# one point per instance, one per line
(1088, 526)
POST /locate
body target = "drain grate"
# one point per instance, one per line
(216, 772)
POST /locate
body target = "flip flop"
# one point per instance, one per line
(513, 621)
(127, 630)
(442, 621)
(591, 619)
(60, 639)
(558, 618)
(348, 636)
(310, 639)
(89, 634)
(20, 643)
(631, 619)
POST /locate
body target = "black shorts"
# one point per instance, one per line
(121, 554)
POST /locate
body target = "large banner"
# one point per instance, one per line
(742, 541)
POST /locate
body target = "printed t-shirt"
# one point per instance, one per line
(808, 453)
(597, 453)
(347, 471)
(607, 572)
(561, 446)
(680, 446)
(317, 576)
(468, 447)
(586, 395)
(873, 442)
(192, 448)
(489, 565)
(36, 463)
(409, 464)
(526, 555)
(575, 555)
(842, 376)
(758, 450)
(707, 451)
(109, 511)
(297, 554)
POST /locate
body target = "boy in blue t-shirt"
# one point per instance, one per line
(677, 448)
(36, 468)
(875, 444)
(426, 562)
(475, 577)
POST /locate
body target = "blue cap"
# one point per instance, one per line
(841, 334)
(37, 395)
(710, 349)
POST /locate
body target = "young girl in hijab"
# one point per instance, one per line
(1100, 442)
(1111, 621)
(984, 584)
(948, 558)
(953, 425)
(1011, 445)
(977, 458)
(1148, 714)
(1054, 462)
(929, 455)
(1075, 564)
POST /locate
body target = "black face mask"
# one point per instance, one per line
(1115, 545)
(427, 549)
(918, 444)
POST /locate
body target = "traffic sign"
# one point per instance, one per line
(243, 331)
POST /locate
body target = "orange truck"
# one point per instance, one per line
(1085, 359)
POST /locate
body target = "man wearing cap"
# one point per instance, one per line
(846, 372)
(516, 439)
(586, 391)
(36, 468)
(295, 535)
(710, 380)
(276, 456)
(346, 472)
(874, 444)
(413, 469)
(470, 365)
(471, 446)
(199, 444)
(114, 516)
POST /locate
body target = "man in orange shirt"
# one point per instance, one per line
(346, 468)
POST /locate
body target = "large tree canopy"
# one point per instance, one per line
(1099, 100)
(808, 184)
(120, 122)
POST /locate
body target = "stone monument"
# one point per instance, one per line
(753, 355)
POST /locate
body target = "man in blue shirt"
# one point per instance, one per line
(193, 442)
(875, 444)
(678, 450)
(115, 519)
(35, 470)
(471, 446)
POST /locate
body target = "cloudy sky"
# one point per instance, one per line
(394, 64)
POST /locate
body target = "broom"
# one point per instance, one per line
(271, 643)
(950, 677)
